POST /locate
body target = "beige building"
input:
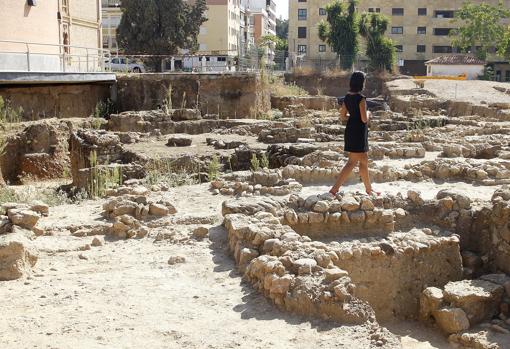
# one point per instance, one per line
(111, 16)
(221, 33)
(50, 35)
(419, 28)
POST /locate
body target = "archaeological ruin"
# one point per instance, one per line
(195, 213)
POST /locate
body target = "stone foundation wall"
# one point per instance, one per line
(239, 95)
(39, 151)
(336, 85)
(308, 102)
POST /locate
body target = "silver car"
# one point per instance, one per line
(125, 65)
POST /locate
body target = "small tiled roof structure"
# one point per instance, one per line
(456, 60)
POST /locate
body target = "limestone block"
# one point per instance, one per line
(451, 320)
(479, 299)
(24, 218)
(431, 300)
(17, 256)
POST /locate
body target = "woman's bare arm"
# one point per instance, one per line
(365, 114)
(344, 115)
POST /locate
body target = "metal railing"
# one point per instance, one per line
(42, 57)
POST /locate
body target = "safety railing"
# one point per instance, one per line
(42, 57)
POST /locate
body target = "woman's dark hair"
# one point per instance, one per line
(357, 82)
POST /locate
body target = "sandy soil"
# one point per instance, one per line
(124, 294)
(474, 91)
(156, 147)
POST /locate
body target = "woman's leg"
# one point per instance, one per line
(346, 171)
(363, 172)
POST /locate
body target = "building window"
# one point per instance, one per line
(421, 48)
(422, 11)
(397, 30)
(442, 49)
(421, 30)
(301, 0)
(507, 76)
(399, 48)
(322, 48)
(322, 12)
(444, 14)
(301, 48)
(397, 11)
(374, 9)
(442, 31)
(301, 32)
(65, 6)
(302, 14)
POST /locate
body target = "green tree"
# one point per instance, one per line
(504, 46)
(159, 27)
(380, 49)
(282, 28)
(480, 26)
(273, 40)
(340, 30)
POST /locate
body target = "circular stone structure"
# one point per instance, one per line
(350, 258)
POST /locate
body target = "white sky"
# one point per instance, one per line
(282, 8)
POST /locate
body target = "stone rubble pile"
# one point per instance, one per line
(129, 207)
(461, 305)
(18, 226)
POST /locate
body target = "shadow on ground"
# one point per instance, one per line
(255, 305)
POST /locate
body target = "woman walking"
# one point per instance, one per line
(354, 110)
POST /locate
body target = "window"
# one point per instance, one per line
(422, 11)
(397, 30)
(322, 12)
(301, 48)
(444, 14)
(399, 48)
(301, 32)
(421, 48)
(507, 76)
(421, 30)
(442, 31)
(374, 9)
(301, 0)
(222, 59)
(397, 11)
(302, 14)
(442, 49)
(322, 48)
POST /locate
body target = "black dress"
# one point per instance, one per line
(356, 132)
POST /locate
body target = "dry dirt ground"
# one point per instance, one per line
(124, 294)
(474, 91)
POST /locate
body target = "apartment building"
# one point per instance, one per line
(419, 28)
(221, 33)
(111, 14)
(45, 27)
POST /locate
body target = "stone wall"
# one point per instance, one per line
(308, 102)
(59, 100)
(39, 151)
(336, 85)
(240, 95)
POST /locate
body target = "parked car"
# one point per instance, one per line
(125, 65)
